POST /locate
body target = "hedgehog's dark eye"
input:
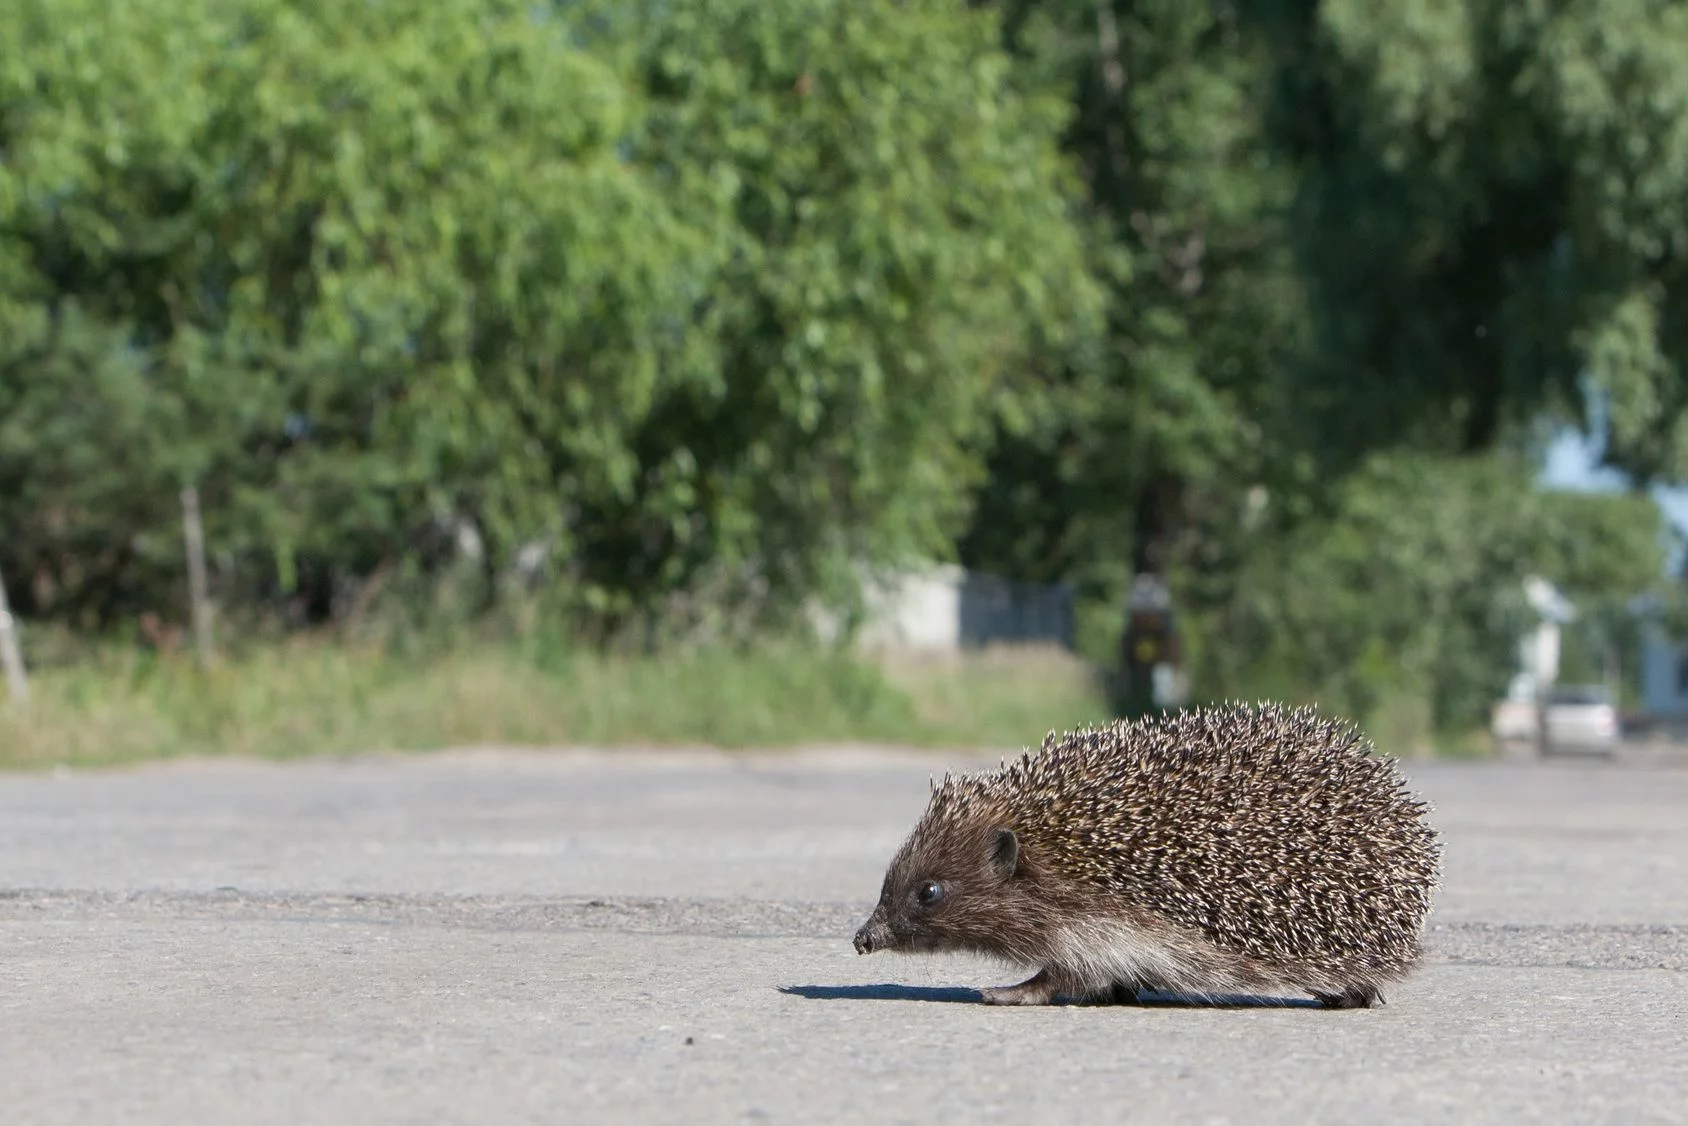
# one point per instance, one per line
(930, 892)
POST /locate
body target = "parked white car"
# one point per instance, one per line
(1580, 717)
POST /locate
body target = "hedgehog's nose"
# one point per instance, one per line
(875, 934)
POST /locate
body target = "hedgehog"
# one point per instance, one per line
(1215, 851)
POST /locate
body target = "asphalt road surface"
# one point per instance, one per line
(577, 938)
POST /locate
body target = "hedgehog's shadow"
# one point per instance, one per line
(961, 995)
(885, 992)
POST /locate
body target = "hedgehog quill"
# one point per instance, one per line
(1261, 851)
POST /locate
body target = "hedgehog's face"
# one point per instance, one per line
(949, 891)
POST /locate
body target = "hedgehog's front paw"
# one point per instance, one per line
(1037, 990)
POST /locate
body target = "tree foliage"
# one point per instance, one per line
(1162, 428)
(347, 266)
(896, 251)
(1408, 592)
(1350, 231)
(1489, 209)
(378, 274)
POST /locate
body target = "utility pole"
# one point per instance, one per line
(193, 535)
(9, 654)
(1151, 651)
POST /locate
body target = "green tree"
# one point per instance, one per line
(897, 254)
(358, 269)
(712, 308)
(1489, 209)
(1331, 230)
(1403, 603)
(1144, 448)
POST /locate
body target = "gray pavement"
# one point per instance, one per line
(627, 937)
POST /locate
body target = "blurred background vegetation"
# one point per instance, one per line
(541, 366)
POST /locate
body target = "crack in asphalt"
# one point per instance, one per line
(1578, 946)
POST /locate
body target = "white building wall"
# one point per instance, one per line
(916, 611)
(946, 608)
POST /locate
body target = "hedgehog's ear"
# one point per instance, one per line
(1005, 853)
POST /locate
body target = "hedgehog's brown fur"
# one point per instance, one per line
(1213, 851)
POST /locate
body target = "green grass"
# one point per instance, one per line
(305, 697)
(1001, 697)
(315, 697)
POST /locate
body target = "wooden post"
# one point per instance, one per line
(9, 655)
(193, 534)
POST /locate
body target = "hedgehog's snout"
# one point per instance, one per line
(872, 935)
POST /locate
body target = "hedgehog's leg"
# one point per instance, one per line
(1362, 996)
(1110, 993)
(1039, 989)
